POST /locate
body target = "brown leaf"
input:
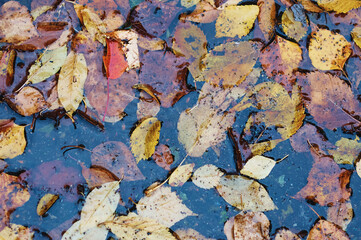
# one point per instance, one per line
(96, 176)
(267, 18)
(45, 203)
(327, 230)
(340, 214)
(12, 196)
(326, 181)
(117, 158)
(310, 6)
(163, 156)
(7, 59)
(205, 12)
(251, 225)
(286, 234)
(99, 6)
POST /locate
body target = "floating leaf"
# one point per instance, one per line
(99, 206)
(310, 6)
(144, 138)
(328, 50)
(339, 6)
(180, 175)
(7, 59)
(114, 61)
(347, 150)
(95, 26)
(45, 203)
(138, 227)
(71, 82)
(164, 206)
(340, 214)
(251, 225)
(293, 28)
(236, 20)
(47, 65)
(205, 12)
(267, 18)
(245, 194)
(12, 139)
(327, 230)
(285, 234)
(190, 234)
(189, 3)
(356, 36)
(163, 156)
(148, 106)
(96, 176)
(94, 233)
(16, 232)
(258, 167)
(207, 176)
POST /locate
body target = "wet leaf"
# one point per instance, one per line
(228, 228)
(328, 50)
(207, 176)
(118, 159)
(138, 227)
(114, 62)
(152, 44)
(327, 183)
(99, 206)
(113, 20)
(94, 25)
(189, 3)
(190, 234)
(236, 20)
(94, 233)
(251, 225)
(12, 139)
(327, 230)
(244, 193)
(7, 59)
(258, 167)
(286, 234)
(164, 206)
(338, 6)
(148, 106)
(163, 156)
(12, 14)
(71, 81)
(12, 196)
(356, 36)
(341, 214)
(45, 203)
(180, 175)
(35, 13)
(96, 176)
(267, 18)
(16, 232)
(229, 64)
(310, 6)
(347, 150)
(144, 138)
(205, 12)
(47, 65)
(293, 28)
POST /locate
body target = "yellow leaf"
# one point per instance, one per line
(71, 82)
(47, 65)
(39, 10)
(347, 150)
(323, 229)
(207, 176)
(293, 28)
(328, 50)
(16, 232)
(339, 6)
(258, 167)
(189, 3)
(28, 101)
(356, 36)
(12, 139)
(144, 138)
(45, 203)
(95, 26)
(267, 18)
(136, 227)
(236, 20)
(181, 175)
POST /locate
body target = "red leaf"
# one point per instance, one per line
(114, 62)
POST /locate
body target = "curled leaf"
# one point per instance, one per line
(45, 203)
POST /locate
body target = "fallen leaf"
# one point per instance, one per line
(189, 3)
(341, 214)
(164, 206)
(71, 82)
(118, 159)
(99, 206)
(207, 176)
(114, 62)
(94, 233)
(45, 203)
(147, 106)
(245, 194)
(180, 175)
(251, 225)
(113, 20)
(258, 167)
(347, 150)
(293, 28)
(7, 60)
(96, 176)
(144, 138)
(338, 6)
(310, 6)
(152, 44)
(47, 65)
(16, 232)
(327, 230)
(327, 183)
(35, 13)
(236, 20)
(205, 12)
(12, 14)
(286, 234)
(229, 64)
(94, 25)
(138, 227)
(163, 156)
(12, 139)
(356, 36)
(228, 228)
(332, 57)
(190, 234)
(267, 18)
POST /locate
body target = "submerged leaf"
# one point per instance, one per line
(190, 234)
(205, 12)
(293, 28)
(347, 150)
(286, 234)
(7, 60)
(12, 139)
(340, 214)
(163, 156)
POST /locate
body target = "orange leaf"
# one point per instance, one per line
(114, 62)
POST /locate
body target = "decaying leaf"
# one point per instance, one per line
(205, 12)
(356, 36)
(180, 175)
(113, 20)
(327, 183)
(339, 6)
(144, 138)
(118, 159)
(94, 233)
(16, 232)
(267, 18)
(99, 206)
(251, 225)
(310, 6)
(347, 150)
(95, 26)
(340, 214)
(293, 28)
(148, 106)
(138, 227)
(228, 228)
(164, 206)
(163, 156)
(245, 194)
(236, 20)
(286, 234)
(328, 50)
(327, 230)
(47, 65)
(45, 203)
(12, 139)
(190, 234)
(152, 44)
(71, 82)
(12, 13)
(258, 167)
(7, 60)
(207, 176)
(189, 3)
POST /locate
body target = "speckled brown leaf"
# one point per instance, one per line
(340, 214)
(118, 159)
(251, 225)
(327, 230)
(163, 156)
(286, 234)
(95, 176)
(326, 181)
(267, 18)
(12, 139)
(294, 28)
